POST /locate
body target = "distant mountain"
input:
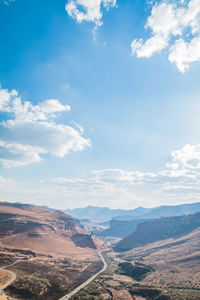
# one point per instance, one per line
(42, 231)
(159, 229)
(163, 211)
(102, 214)
(123, 225)
(178, 210)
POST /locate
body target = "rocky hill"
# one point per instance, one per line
(174, 265)
(43, 231)
(159, 229)
(47, 250)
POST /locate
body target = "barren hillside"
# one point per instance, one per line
(44, 232)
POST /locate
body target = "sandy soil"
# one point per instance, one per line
(4, 278)
(49, 244)
(113, 283)
(122, 278)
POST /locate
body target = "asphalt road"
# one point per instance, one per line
(84, 284)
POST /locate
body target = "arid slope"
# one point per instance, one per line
(47, 251)
(43, 231)
(159, 229)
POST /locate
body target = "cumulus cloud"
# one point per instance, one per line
(32, 131)
(175, 26)
(187, 158)
(87, 10)
(183, 53)
(17, 155)
(5, 99)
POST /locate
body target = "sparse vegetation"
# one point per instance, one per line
(137, 271)
(30, 286)
(49, 278)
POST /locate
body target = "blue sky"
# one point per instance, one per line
(99, 104)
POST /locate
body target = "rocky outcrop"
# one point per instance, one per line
(42, 231)
(159, 229)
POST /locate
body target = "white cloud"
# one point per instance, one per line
(32, 132)
(118, 175)
(92, 190)
(175, 26)
(5, 99)
(152, 45)
(50, 137)
(176, 183)
(88, 10)
(183, 53)
(42, 111)
(14, 155)
(186, 161)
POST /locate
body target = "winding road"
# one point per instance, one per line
(13, 277)
(84, 284)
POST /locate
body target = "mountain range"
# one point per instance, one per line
(102, 214)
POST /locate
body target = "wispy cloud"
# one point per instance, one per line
(178, 182)
(174, 25)
(87, 10)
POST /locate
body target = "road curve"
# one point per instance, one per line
(84, 284)
(13, 277)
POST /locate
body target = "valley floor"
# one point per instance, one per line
(164, 270)
(168, 269)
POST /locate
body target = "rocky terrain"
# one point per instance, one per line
(43, 231)
(47, 250)
(174, 265)
(159, 229)
(163, 270)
